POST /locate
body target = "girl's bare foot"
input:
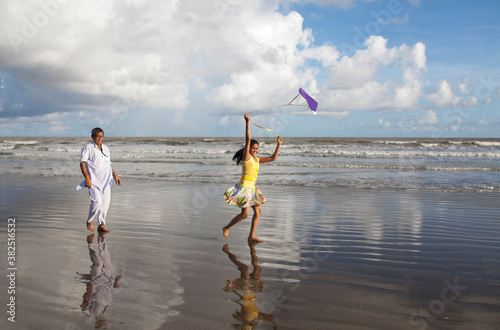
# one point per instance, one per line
(225, 232)
(254, 240)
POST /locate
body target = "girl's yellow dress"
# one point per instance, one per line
(245, 193)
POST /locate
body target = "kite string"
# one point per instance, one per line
(280, 106)
(268, 108)
(290, 103)
(267, 129)
(284, 105)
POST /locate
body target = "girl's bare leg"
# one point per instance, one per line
(255, 221)
(244, 213)
(255, 262)
(241, 266)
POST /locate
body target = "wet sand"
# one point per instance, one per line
(331, 258)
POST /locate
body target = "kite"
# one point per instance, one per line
(311, 104)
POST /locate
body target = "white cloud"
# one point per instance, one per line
(271, 64)
(444, 96)
(102, 48)
(483, 122)
(429, 118)
(354, 84)
(470, 102)
(383, 123)
(463, 86)
(54, 123)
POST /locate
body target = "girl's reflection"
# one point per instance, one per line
(245, 287)
(100, 282)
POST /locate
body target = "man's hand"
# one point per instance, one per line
(117, 178)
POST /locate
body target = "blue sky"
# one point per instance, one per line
(394, 68)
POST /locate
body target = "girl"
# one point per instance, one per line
(245, 194)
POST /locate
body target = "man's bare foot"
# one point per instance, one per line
(103, 229)
(90, 226)
(225, 232)
(254, 240)
(225, 248)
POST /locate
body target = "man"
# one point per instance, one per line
(95, 164)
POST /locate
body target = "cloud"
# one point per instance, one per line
(483, 122)
(108, 62)
(267, 46)
(470, 102)
(383, 123)
(354, 83)
(444, 96)
(100, 49)
(429, 118)
(463, 86)
(50, 124)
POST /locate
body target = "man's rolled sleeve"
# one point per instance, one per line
(85, 154)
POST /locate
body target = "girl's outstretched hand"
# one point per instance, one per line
(247, 117)
(280, 140)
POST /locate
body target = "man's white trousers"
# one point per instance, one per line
(99, 204)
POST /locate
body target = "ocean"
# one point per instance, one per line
(470, 165)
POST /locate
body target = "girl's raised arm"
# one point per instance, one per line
(246, 150)
(275, 155)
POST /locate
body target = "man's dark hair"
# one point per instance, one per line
(96, 131)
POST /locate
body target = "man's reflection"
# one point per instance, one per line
(245, 287)
(100, 282)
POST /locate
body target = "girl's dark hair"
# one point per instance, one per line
(238, 156)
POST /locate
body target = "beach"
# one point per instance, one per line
(332, 257)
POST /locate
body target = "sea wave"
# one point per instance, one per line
(28, 142)
(375, 166)
(487, 143)
(390, 153)
(412, 164)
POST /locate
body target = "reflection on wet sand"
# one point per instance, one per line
(100, 282)
(245, 287)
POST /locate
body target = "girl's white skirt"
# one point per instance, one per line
(242, 196)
